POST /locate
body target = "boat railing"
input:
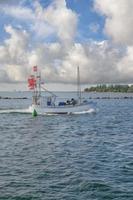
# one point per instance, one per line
(51, 101)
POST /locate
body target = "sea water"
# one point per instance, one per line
(67, 157)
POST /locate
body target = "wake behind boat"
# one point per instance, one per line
(43, 104)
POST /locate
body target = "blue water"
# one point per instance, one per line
(67, 157)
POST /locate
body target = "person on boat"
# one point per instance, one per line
(68, 102)
(73, 101)
(49, 101)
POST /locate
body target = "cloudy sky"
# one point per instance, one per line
(59, 35)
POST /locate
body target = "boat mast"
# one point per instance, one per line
(78, 85)
(37, 86)
(39, 78)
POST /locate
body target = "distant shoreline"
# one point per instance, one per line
(13, 98)
(111, 88)
(90, 98)
(124, 97)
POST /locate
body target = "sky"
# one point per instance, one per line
(59, 35)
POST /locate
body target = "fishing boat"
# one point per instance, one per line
(48, 104)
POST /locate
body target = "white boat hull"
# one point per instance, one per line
(67, 109)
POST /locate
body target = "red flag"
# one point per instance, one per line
(35, 69)
(31, 83)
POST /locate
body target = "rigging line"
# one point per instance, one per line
(48, 91)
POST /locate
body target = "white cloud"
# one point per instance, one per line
(62, 19)
(99, 62)
(16, 45)
(3, 76)
(125, 65)
(55, 19)
(13, 56)
(18, 12)
(8, 2)
(119, 19)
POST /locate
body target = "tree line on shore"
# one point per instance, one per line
(110, 88)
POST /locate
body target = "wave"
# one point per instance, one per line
(91, 110)
(28, 111)
(4, 111)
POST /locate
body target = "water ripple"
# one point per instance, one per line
(68, 157)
